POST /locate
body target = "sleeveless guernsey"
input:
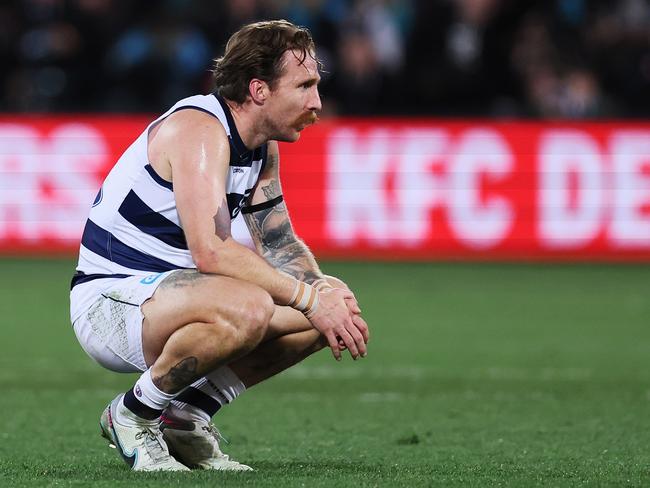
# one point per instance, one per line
(133, 228)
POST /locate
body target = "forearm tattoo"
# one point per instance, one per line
(222, 221)
(271, 190)
(178, 377)
(274, 238)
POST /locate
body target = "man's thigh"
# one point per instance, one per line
(188, 297)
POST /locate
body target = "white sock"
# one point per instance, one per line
(144, 401)
(203, 398)
(149, 394)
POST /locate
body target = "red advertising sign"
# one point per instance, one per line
(387, 189)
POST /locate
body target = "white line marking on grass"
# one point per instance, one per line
(382, 397)
(496, 373)
(366, 397)
(544, 374)
(337, 372)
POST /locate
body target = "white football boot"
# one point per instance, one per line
(196, 443)
(139, 442)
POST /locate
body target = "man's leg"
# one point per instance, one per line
(193, 324)
(290, 339)
(186, 422)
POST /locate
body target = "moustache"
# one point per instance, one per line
(306, 119)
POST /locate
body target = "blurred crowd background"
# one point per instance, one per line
(552, 58)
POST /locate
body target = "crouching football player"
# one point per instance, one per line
(162, 288)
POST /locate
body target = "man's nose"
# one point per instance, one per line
(314, 102)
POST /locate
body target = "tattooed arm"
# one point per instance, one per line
(271, 227)
(199, 169)
(192, 149)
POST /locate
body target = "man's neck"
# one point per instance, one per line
(248, 127)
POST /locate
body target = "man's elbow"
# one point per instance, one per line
(207, 259)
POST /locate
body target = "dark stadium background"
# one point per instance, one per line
(495, 58)
(518, 362)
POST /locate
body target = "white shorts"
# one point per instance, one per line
(110, 331)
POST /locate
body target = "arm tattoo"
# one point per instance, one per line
(222, 221)
(271, 190)
(273, 235)
(178, 377)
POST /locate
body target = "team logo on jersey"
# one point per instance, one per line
(99, 197)
(147, 280)
(138, 391)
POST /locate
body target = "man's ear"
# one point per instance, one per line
(258, 91)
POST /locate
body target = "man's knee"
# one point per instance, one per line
(238, 327)
(255, 314)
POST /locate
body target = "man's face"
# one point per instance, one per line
(294, 103)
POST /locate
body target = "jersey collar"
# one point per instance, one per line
(239, 145)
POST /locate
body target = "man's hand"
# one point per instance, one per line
(334, 320)
(352, 304)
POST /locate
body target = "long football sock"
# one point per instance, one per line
(203, 398)
(145, 399)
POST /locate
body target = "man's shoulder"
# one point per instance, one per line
(208, 105)
(188, 122)
(187, 134)
(208, 102)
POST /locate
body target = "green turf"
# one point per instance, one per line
(478, 375)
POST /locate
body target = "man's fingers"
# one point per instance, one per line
(358, 338)
(334, 345)
(340, 307)
(361, 324)
(353, 305)
(349, 342)
(346, 294)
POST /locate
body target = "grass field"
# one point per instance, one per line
(478, 375)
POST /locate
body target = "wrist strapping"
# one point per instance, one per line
(304, 298)
(321, 284)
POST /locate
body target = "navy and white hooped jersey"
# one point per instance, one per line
(133, 227)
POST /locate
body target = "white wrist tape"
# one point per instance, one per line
(304, 298)
(321, 284)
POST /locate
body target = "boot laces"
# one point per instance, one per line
(218, 437)
(154, 443)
